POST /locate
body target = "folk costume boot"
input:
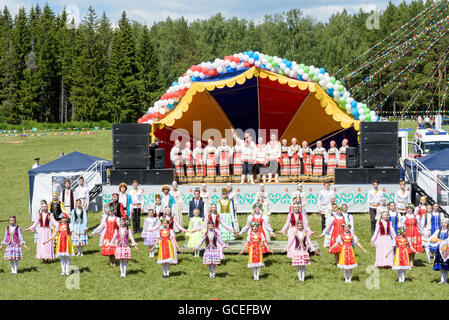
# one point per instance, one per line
(243, 179)
(276, 178)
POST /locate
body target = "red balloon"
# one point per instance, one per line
(205, 70)
(211, 72)
(139, 121)
(193, 68)
(237, 60)
(246, 64)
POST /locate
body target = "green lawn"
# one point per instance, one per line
(189, 278)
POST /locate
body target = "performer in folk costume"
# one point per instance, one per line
(434, 223)
(295, 161)
(426, 233)
(421, 209)
(216, 219)
(225, 211)
(64, 246)
(237, 162)
(150, 238)
(402, 198)
(167, 254)
(265, 207)
(274, 158)
(167, 200)
(412, 224)
(125, 199)
(78, 224)
(346, 259)
(261, 160)
(335, 226)
(319, 158)
(231, 196)
(401, 255)
(383, 239)
(381, 208)
(224, 156)
(82, 193)
(349, 219)
(284, 162)
(342, 154)
(194, 237)
(13, 240)
(173, 221)
(117, 207)
(256, 246)
(137, 201)
(213, 253)
(261, 194)
(324, 203)
(198, 159)
(299, 193)
(177, 206)
(373, 201)
(210, 157)
(177, 162)
(298, 245)
(109, 224)
(394, 216)
(57, 208)
(332, 158)
(45, 220)
(68, 195)
(263, 221)
(248, 158)
(306, 162)
(187, 157)
(122, 237)
(205, 196)
(439, 239)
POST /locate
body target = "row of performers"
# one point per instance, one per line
(246, 159)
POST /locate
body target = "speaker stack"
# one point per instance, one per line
(377, 157)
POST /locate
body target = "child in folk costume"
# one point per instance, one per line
(13, 240)
(256, 242)
(210, 155)
(150, 238)
(421, 209)
(319, 158)
(306, 162)
(213, 253)
(332, 158)
(346, 259)
(216, 219)
(177, 161)
(158, 209)
(173, 221)
(264, 223)
(341, 163)
(401, 256)
(298, 245)
(413, 233)
(426, 232)
(177, 206)
(439, 243)
(295, 161)
(166, 198)
(167, 254)
(125, 199)
(109, 224)
(224, 156)
(187, 157)
(198, 159)
(64, 246)
(402, 198)
(394, 216)
(78, 224)
(285, 162)
(231, 196)
(335, 226)
(122, 237)
(300, 194)
(348, 217)
(194, 237)
(383, 239)
(381, 208)
(225, 211)
(433, 224)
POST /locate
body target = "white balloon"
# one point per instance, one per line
(359, 105)
(372, 113)
(330, 85)
(268, 65)
(346, 95)
(348, 106)
(188, 84)
(362, 117)
(336, 87)
(240, 66)
(251, 60)
(182, 86)
(305, 76)
(233, 64)
(220, 69)
(227, 63)
(246, 57)
(257, 63)
(189, 72)
(349, 100)
(286, 70)
(162, 111)
(374, 118)
(202, 76)
(196, 74)
(337, 94)
(176, 88)
(301, 71)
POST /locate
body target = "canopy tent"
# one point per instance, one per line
(256, 99)
(48, 178)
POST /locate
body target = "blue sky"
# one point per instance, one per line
(149, 11)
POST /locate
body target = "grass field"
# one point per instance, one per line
(189, 279)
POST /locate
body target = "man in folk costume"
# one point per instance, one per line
(332, 157)
(231, 196)
(177, 196)
(224, 156)
(136, 194)
(319, 158)
(306, 162)
(261, 159)
(68, 195)
(261, 193)
(373, 200)
(248, 156)
(198, 159)
(209, 154)
(402, 198)
(187, 157)
(295, 161)
(177, 161)
(324, 204)
(206, 197)
(342, 154)
(285, 162)
(273, 158)
(82, 193)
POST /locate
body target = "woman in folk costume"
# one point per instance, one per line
(237, 162)
(125, 199)
(401, 255)
(256, 246)
(332, 157)
(273, 158)
(213, 253)
(225, 211)
(346, 258)
(335, 227)
(13, 240)
(306, 162)
(56, 207)
(210, 157)
(231, 196)
(78, 224)
(402, 198)
(64, 245)
(319, 158)
(68, 195)
(341, 163)
(439, 239)
(295, 161)
(284, 161)
(413, 233)
(45, 220)
(264, 223)
(433, 224)
(298, 245)
(177, 206)
(187, 157)
(150, 238)
(205, 196)
(224, 156)
(124, 239)
(167, 254)
(421, 209)
(109, 224)
(394, 216)
(194, 237)
(217, 220)
(261, 160)
(177, 162)
(426, 232)
(383, 239)
(198, 159)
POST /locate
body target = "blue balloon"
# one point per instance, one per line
(354, 104)
(245, 53)
(355, 113)
(288, 64)
(228, 69)
(322, 71)
(263, 66)
(251, 53)
(299, 77)
(256, 57)
(284, 60)
(170, 106)
(330, 92)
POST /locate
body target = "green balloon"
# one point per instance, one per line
(367, 111)
(333, 80)
(337, 82)
(306, 69)
(315, 78)
(302, 66)
(341, 88)
(367, 119)
(274, 64)
(270, 59)
(343, 101)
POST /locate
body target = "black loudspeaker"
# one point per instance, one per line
(379, 127)
(378, 138)
(351, 176)
(127, 176)
(130, 139)
(384, 176)
(144, 176)
(131, 128)
(159, 176)
(379, 155)
(131, 145)
(131, 151)
(352, 157)
(159, 158)
(131, 161)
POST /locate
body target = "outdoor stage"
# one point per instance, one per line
(279, 195)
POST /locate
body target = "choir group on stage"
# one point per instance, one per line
(251, 162)
(399, 230)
